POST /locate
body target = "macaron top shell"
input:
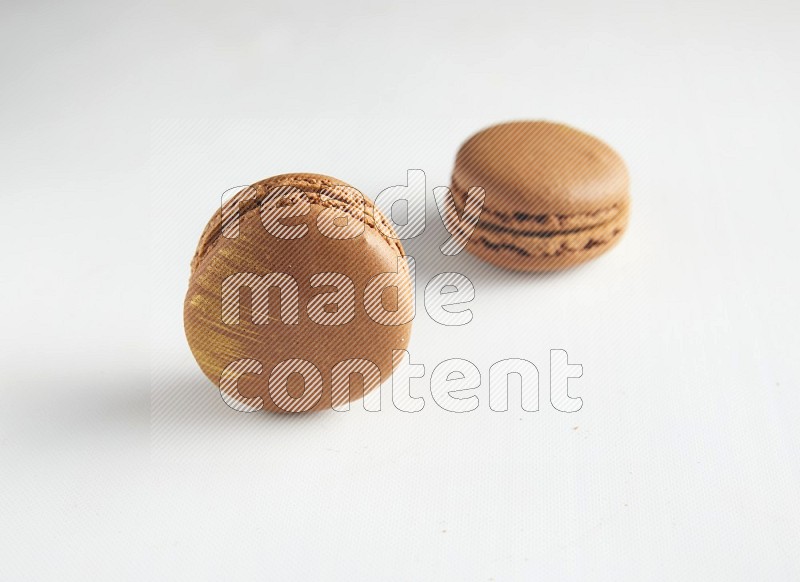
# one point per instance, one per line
(321, 317)
(541, 176)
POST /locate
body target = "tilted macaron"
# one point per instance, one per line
(289, 281)
(555, 196)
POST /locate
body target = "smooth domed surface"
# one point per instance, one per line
(278, 325)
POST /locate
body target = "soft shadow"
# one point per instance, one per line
(84, 410)
(187, 400)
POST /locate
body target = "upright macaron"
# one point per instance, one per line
(299, 293)
(555, 196)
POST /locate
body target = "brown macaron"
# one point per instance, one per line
(299, 293)
(555, 196)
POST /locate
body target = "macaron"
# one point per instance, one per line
(299, 293)
(555, 196)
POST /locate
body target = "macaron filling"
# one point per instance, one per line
(550, 244)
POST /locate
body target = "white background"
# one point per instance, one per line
(121, 124)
